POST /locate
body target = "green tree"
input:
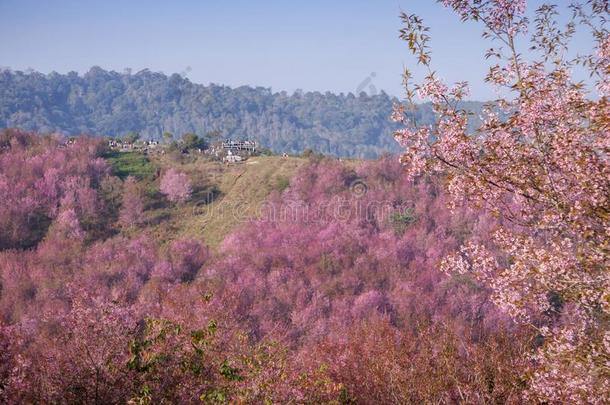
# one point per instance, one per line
(131, 137)
(214, 134)
(192, 141)
(168, 137)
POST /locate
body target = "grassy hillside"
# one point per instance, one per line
(223, 195)
(130, 164)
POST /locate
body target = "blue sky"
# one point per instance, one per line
(338, 46)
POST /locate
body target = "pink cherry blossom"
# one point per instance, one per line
(539, 163)
(176, 185)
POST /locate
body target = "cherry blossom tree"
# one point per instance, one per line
(132, 206)
(176, 185)
(39, 178)
(540, 162)
(68, 225)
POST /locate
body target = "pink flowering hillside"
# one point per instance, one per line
(334, 283)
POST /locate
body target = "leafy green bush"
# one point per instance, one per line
(401, 220)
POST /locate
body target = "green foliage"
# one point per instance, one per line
(135, 164)
(131, 137)
(401, 220)
(144, 397)
(192, 141)
(341, 125)
(212, 327)
(265, 152)
(281, 183)
(168, 137)
(230, 373)
(173, 147)
(156, 332)
(214, 396)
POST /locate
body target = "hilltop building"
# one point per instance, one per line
(231, 158)
(232, 151)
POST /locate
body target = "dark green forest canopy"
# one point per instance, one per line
(104, 102)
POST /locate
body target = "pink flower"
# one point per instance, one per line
(176, 186)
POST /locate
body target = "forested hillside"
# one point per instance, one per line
(111, 103)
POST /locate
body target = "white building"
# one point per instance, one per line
(231, 158)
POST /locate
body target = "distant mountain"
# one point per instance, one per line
(104, 102)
